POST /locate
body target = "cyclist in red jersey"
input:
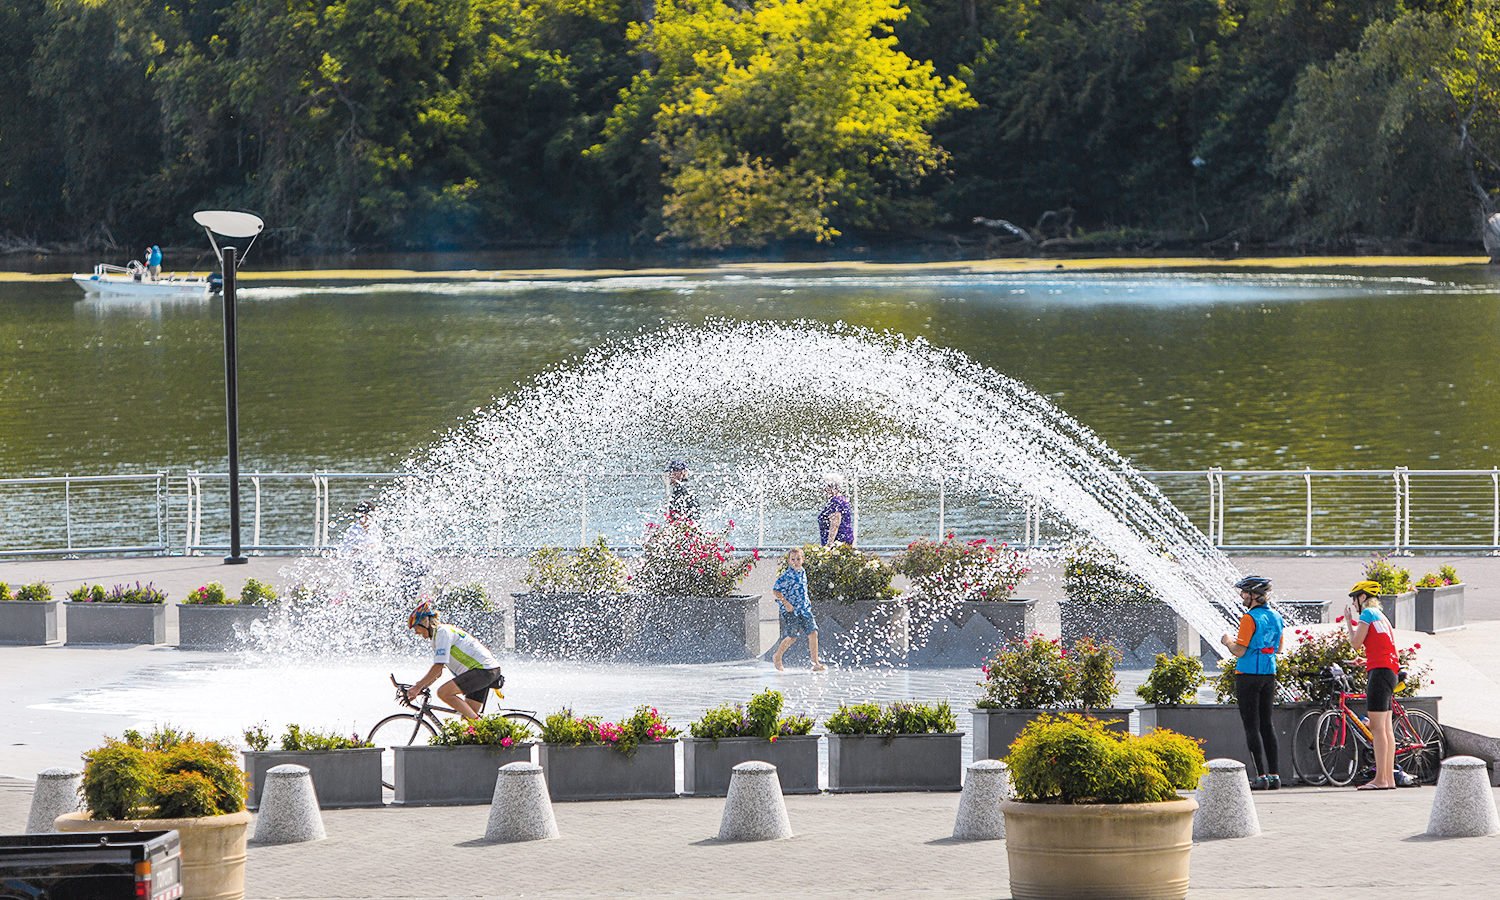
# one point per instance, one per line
(1370, 629)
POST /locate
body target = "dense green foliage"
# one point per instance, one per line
(1037, 673)
(166, 774)
(901, 717)
(763, 719)
(1076, 759)
(491, 731)
(841, 573)
(1173, 679)
(737, 123)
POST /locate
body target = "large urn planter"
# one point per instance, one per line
(1125, 850)
(341, 778)
(116, 623)
(1139, 630)
(439, 776)
(226, 626)
(861, 633)
(903, 762)
(599, 772)
(995, 729)
(638, 627)
(1439, 608)
(28, 622)
(212, 849)
(970, 631)
(708, 764)
(1401, 609)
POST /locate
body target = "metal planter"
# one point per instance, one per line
(218, 626)
(28, 622)
(1219, 727)
(995, 729)
(1401, 609)
(342, 778)
(905, 762)
(596, 772)
(1139, 630)
(862, 633)
(1439, 609)
(638, 627)
(969, 632)
(708, 764)
(448, 776)
(116, 623)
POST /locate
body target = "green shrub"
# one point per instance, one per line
(1094, 682)
(166, 774)
(643, 726)
(87, 593)
(1392, 579)
(682, 558)
(296, 738)
(489, 731)
(31, 593)
(902, 717)
(846, 575)
(1224, 681)
(256, 593)
(1075, 759)
(762, 719)
(1038, 673)
(1173, 680)
(190, 766)
(471, 597)
(1094, 575)
(594, 569)
(563, 727)
(117, 780)
(211, 594)
(139, 593)
(1445, 576)
(5, 595)
(257, 738)
(858, 718)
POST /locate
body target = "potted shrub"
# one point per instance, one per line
(728, 735)
(587, 758)
(1440, 601)
(1107, 601)
(345, 769)
(171, 780)
(121, 615)
(903, 747)
(1034, 675)
(209, 619)
(860, 622)
(28, 615)
(1398, 599)
(1170, 693)
(570, 595)
(469, 607)
(460, 762)
(1096, 812)
(961, 600)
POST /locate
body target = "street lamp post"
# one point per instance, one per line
(232, 225)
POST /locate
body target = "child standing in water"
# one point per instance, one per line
(796, 611)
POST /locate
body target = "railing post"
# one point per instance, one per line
(68, 508)
(1495, 493)
(1212, 508)
(853, 512)
(161, 515)
(1307, 480)
(583, 510)
(760, 514)
(327, 508)
(1396, 477)
(255, 483)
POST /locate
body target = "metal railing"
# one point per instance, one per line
(1306, 510)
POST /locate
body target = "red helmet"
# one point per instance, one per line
(421, 614)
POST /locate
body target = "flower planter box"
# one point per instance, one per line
(638, 627)
(995, 729)
(444, 776)
(342, 778)
(970, 631)
(1138, 630)
(707, 764)
(1401, 609)
(595, 772)
(28, 622)
(1306, 612)
(116, 623)
(1219, 727)
(1439, 609)
(488, 625)
(216, 627)
(906, 762)
(862, 633)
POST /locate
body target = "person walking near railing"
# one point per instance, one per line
(1256, 646)
(681, 504)
(836, 519)
(153, 261)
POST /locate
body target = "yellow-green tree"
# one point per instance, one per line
(783, 118)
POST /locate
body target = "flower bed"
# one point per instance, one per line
(28, 615)
(729, 735)
(345, 770)
(1440, 602)
(121, 615)
(903, 747)
(460, 763)
(211, 620)
(590, 759)
(1036, 675)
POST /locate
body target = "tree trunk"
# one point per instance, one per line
(1492, 238)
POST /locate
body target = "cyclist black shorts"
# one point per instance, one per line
(1380, 690)
(476, 683)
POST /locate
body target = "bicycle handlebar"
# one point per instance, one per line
(401, 690)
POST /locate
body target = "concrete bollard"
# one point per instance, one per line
(754, 809)
(520, 810)
(979, 817)
(1225, 808)
(289, 812)
(1463, 804)
(55, 794)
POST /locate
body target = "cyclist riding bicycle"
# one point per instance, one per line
(475, 667)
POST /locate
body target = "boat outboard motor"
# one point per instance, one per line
(215, 284)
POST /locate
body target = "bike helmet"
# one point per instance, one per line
(421, 614)
(1255, 584)
(1366, 587)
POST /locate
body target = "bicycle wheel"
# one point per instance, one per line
(1419, 746)
(1338, 748)
(397, 730)
(520, 718)
(1305, 765)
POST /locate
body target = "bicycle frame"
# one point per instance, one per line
(1401, 726)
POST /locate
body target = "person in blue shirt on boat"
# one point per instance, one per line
(797, 619)
(153, 261)
(1256, 646)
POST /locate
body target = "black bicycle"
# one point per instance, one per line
(403, 729)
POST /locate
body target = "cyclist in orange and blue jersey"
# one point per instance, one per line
(1370, 629)
(1256, 646)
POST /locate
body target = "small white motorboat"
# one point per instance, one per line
(134, 280)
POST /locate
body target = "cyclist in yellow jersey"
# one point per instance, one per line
(475, 666)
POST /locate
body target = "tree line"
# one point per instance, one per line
(427, 124)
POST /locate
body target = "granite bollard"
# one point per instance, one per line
(55, 794)
(1464, 803)
(289, 812)
(520, 809)
(1225, 808)
(979, 817)
(754, 810)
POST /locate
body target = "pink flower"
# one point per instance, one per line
(507, 742)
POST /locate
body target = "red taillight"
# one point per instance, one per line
(143, 879)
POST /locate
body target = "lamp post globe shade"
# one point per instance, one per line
(229, 223)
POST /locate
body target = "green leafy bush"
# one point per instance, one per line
(643, 726)
(303, 739)
(31, 593)
(1038, 673)
(843, 574)
(5, 594)
(901, 717)
(682, 558)
(1173, 680)
(490, 731)
(211, 594)
(762, 719)
(256, 593)
(87, 593)
(1300, 666)
(166, 774)
(594, 569)
(1094, 575)
(1224, 682)
(139, 593)
(1445, 576)
(465, 597)
(1094, 682)
(1075, 759)
(1391, 578)
(950, 571)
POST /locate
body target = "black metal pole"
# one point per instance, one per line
(232, 404)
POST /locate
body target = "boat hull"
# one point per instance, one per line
(124, 286)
